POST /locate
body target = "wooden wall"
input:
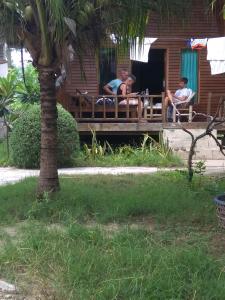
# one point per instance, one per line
(198, 25)
(172, 37)
(75, 78)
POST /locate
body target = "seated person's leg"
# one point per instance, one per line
(123, 102)
(167, 101)
(131, 102)
(169, 96)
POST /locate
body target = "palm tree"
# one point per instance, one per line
(47, 28)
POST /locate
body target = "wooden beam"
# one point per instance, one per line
(120, 127)
(140, 127)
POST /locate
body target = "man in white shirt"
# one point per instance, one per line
(180, 96)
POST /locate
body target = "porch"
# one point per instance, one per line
(108, 109)
(134, 119)
(106, 114)
(107, 118)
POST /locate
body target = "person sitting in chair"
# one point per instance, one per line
(127, 98)
(123, 91)
(112, 87)
(180, 96)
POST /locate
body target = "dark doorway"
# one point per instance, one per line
(150, 75)
(107, 66)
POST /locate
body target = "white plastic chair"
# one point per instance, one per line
(184, 112)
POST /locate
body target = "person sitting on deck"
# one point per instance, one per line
(180, 96)
(123, 91)
(112, 87)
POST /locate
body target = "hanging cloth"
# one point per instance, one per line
(198, 44)
(216, 55)
(141, 52)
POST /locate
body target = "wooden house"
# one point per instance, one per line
(168, 57)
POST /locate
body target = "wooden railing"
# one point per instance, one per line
(88, 108)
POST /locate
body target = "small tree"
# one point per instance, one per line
(213, 123)
(47, 28)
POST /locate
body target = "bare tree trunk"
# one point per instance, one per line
(48, 179)
(190, 161)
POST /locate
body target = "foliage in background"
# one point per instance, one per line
(29, 91)
(15, 96)
(26, 136)
(8, 88)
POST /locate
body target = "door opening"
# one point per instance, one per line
(150, 75)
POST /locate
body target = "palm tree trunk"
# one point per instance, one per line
(48, 179)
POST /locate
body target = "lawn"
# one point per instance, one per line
(114, 237)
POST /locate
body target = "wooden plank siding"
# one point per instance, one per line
(171, 36)
(77, 81)
(198, 25)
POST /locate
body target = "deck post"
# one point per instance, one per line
(116, 107)
(127, 107)
(80, 106)
(139, 109)
(209, 103)
(104, 108)
(190, 115)
(163, 108)
(93, 107)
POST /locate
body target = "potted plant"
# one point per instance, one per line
(220, 208)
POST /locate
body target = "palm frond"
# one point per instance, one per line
(56, 13)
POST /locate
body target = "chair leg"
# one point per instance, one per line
(190, 114)
(174, 114)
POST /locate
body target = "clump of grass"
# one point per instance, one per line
(149, 153)
(167, 197)
(79, 263)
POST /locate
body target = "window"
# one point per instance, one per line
(189, 68)
(107, 66)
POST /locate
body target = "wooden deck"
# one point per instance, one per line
(137, 128)
(128, 119)
(101, 108)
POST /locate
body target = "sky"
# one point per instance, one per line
(16, 58)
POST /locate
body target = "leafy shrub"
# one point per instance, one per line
(29, 92)
(26, 135)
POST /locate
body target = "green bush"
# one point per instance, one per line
(26, 136)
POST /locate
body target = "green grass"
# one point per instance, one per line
(115, 237)
(136, 158)
(82, 264)
(4, 160)
(167, 197)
